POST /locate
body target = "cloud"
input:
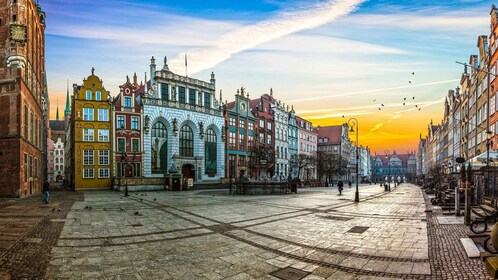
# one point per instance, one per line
(248, 37)
(337, 115)
(377, 126)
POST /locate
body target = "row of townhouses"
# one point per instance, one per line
(468, 129)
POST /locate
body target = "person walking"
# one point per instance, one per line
(45, 189)
(340, 185)
(349, 183)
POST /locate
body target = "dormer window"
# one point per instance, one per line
(127, 102)
(88, 95)
(98, 96)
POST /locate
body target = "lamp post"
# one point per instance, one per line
(352, 123)
(124, 158)
(388, 157)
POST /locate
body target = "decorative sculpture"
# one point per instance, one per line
(201, 129)
(175, 126)
(146, 124)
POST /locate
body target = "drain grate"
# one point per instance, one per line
(290, 273)
(358, 229)
(335, 218)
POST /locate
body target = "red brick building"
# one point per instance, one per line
(261, 108)
(127, 129)
(22, 88)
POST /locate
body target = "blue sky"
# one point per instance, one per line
(327, 58)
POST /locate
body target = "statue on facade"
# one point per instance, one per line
(223, 134)
(155, 148)
(146, 124)
(173, 93)
(201, 129)
(175, 126)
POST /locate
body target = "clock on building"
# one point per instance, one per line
(18, 33)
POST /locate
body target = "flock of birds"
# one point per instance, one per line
(404, 99)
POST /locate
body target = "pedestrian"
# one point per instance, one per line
(349, 183)
(340, 185)
(46, 186)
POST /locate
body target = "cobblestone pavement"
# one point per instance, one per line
(28, 231)
(209, 234)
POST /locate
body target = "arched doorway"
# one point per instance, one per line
(159, 160)
(188, 171)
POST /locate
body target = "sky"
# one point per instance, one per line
(331, 59)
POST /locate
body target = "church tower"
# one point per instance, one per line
(67, 110)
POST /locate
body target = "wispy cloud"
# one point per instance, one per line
(284, 23)
(377, 126)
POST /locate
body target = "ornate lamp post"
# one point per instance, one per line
(388, 157)
(352, 123)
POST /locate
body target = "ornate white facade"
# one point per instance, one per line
(183, 127)
(281, 119)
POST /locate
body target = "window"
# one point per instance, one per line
(269, 139)
(103, 115)
(242, 160)
(210, 152)
(191, 96)
(127, 102)
(56, 153)
(88, 173)
(121, 144)
(36, 168)
(232, 121)
(103, 172)
(87, 157)
(56, 160)
(250, 125)
(26, 121)
(231, 140)
(242, 124)
(103, 157)
(25, 167)
(242, 142)
(98, 96)
(207, 100)
(250, 140)
(121, 122)
(134, 123)
(261, 123)
(269, 125)
(135, 143)
(262, 138)
(186, 141)
(88, 95)
(88, 114)
(164, 91)
(88, 134)
(159, 130)
(181, 94)
(103, 135)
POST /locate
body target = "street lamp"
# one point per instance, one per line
(124, 158)
(352, 123)
(388, 157)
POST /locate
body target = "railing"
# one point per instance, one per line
(176, 104)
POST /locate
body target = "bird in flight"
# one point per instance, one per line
(403, 103)
(419, 109)
(404, 98)
(375, 99)
(343, 116)
(410, 82)
(413, 97)
(413, 73)
(379, 109)
(416, 106)
(382, 105)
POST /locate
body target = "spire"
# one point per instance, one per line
(221, 96)
(57, 111)
(67, 110)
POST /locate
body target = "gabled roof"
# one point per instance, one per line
(333, 133)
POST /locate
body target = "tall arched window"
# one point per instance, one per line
(159, 144)
(186, 141)
(210, 153)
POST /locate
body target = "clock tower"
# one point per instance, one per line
(23, 98)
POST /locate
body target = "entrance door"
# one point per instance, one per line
(188, 171)
(128, 171)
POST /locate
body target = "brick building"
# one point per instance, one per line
(22, 100)
(127, 130)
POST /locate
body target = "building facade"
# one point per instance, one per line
(127, 130)
(183, 126)
(50, 160)
(89, 149)
(281, 118)
(395, 167)
(22, 100)
(293, 142)
(241, 128)
(493, 81)
(261, 108)
(306, 145)
(58, 161)
(365, 167)
(335, 140)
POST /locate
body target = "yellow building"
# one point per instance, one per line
(90, 137)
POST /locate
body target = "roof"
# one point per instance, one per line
(299, 119)
(231, 105)
(57, 125)
(333, 133)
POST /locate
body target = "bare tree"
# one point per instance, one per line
(330, 165)
(302, 162)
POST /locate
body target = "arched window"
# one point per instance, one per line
(186, 141)
(210, 153)
(159, 160)
(56, 160)
(56, 152)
